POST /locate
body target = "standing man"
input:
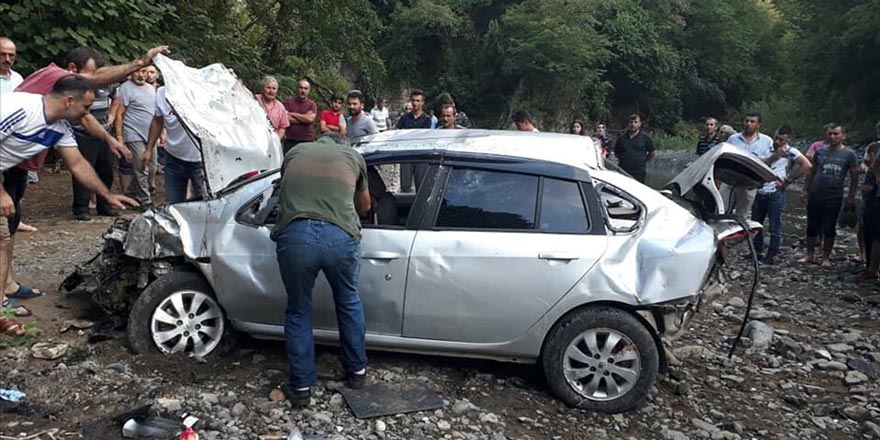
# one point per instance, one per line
(323, 192)
(359, 124)
(301, 113)
(634, 149)
(823, 190)
(379, 115)
(710, 137)
(448, 117)
(523, 121)
(133, 128)
(332, 119)
(275, 110)
(412, 119)
(415, 118)
(9, 79)
(31, 123)
(770, 200)
(183, 160)
(737, 200)
(97, 153)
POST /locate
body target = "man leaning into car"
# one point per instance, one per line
(323, 192)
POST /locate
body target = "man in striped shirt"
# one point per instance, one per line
(31, 123)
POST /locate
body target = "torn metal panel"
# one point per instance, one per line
(154, 234)
(231, 127)
(723, 164)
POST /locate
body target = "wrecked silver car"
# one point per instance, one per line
(519, 247)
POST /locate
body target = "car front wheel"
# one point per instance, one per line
(177, 313)
(601, 359)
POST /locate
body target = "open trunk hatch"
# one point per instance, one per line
(698, 183)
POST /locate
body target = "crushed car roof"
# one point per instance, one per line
(566, 149)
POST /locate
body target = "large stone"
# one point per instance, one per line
(704, 425)
(49, 350)
(736, 302)
(671, 434)
(855, 378)
(761, 314)
(832, 366)
(785, 345)
(861, 366)
(169, 404)
(840, 347)
(277, 395)
(761, 334)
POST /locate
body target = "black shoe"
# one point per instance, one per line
(767, 261)
(82, 216)
(356, 381)
(108, 213)
(297, 398)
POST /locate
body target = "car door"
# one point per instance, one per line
(501, 250)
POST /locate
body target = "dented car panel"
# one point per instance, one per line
(227, 122)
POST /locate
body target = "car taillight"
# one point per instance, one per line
(248, 175)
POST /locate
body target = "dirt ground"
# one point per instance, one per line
(758, 394)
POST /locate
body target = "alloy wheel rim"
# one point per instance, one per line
(602, 364)
(187, 321)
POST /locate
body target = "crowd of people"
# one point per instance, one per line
(74, 111)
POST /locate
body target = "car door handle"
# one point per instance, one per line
(380, 255)
(565, 256)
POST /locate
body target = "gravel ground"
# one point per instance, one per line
(806, 371)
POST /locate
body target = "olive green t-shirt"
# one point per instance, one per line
(318, 181)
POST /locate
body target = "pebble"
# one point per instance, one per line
(855, 378)
(277, 395)
(832, 366)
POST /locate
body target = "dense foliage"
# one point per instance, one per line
(802, 62)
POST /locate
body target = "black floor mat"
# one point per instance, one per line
(382, 399)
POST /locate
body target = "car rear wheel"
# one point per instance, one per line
(177, 313)
(601, 359)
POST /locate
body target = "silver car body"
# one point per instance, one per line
(474, 293)
(467, 293)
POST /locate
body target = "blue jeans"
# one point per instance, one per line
(304, 248)
(769, 205)
(180, 172)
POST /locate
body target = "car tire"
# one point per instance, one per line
(166, 308)
(591, 378)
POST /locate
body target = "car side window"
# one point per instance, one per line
(392, 198)
(562, 208)
(478, 199)
(622, 213)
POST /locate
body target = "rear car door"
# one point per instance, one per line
(496, 252)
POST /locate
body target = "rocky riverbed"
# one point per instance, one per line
(807, 369)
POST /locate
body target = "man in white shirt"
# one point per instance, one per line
(379, 113)
(770, 200)
(9, 79)
(183, 162)
(738, 201)
(30, 124)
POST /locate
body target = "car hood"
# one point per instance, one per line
(224, 118)
(723, 164)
